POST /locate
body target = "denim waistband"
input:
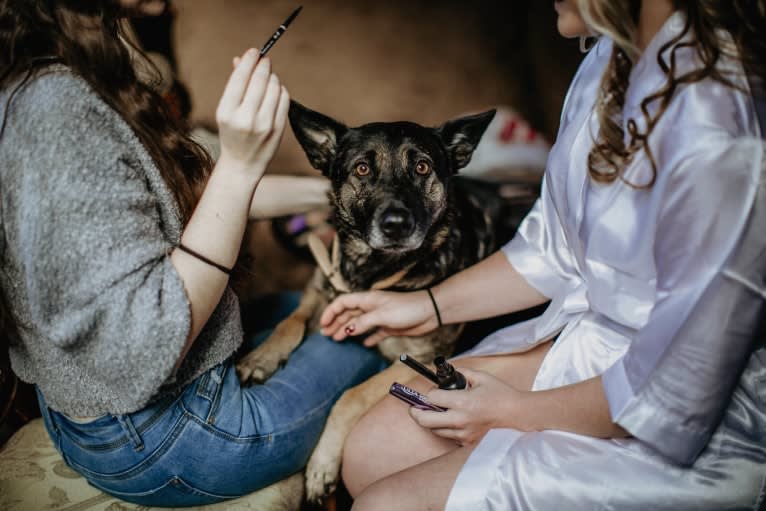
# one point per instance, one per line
(132, 424)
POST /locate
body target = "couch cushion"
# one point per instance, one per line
(34, 476)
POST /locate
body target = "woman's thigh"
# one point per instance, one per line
(387, 440)
(274, 427)
(424, 486)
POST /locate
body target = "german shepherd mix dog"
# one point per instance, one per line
(403, 223)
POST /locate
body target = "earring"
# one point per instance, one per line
(587, 43)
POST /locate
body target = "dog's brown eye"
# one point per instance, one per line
(422, 168)
(362, 169)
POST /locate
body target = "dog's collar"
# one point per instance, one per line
(331, 267)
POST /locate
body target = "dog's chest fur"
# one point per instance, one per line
(463, 236)
(398, 207)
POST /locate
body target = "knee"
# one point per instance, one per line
(358, 452)
(367, 451)
(377, 497)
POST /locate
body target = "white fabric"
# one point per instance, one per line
(624, 268)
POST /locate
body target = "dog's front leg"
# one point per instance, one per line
(258, 365)
(323, 470)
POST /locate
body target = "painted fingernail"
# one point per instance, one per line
(350, 329)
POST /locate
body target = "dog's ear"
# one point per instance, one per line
(317, 134)
(461, 136)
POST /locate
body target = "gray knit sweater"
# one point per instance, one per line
(87, 222)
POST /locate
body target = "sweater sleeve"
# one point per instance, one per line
(89, 240)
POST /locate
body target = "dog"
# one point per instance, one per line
(403, 223)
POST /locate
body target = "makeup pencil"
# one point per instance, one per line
(281, 30)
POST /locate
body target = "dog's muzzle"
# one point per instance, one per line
(397, 223)
(395, 228)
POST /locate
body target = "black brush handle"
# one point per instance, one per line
(420, 368)
(281, 30)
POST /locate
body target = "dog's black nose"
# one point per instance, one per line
(396, 223)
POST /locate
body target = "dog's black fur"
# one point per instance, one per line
(394, 217)
(397, 206)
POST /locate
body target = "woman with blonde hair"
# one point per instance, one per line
(641, 385)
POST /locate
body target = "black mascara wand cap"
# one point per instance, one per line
(449, 379)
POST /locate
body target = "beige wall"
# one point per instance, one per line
(363, 61)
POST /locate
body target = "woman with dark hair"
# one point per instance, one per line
(118, 238)
(648, 241)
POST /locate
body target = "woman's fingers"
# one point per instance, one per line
(450, 424)
(342, 327)
(457, 435)
(447, 398)
(435, 420)
(340, 304)
(260, 81)
(280, 118)
(391, 312)
(345, 322)
(334, 322)
(237, 84)
(361, 324)
(475, 378)
(252, 114)
(263, 120)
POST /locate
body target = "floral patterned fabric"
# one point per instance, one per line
(33, 476)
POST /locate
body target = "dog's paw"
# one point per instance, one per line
(322, 473)
(257, 366)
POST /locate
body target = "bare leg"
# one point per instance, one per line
(422, 487)
(387, 440)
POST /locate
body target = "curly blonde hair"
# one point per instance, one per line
(743, 20)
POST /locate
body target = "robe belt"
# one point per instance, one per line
(564, 307)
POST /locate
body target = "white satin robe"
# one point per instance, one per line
(625, 270)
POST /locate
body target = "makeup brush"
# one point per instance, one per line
(281, 30)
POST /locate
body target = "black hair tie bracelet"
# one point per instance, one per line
(436, 308)
(204, 259)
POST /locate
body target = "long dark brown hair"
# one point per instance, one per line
(743, 20)
(88, 37)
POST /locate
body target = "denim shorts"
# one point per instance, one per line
(216, 440)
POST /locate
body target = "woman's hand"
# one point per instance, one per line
(393, 313)
(488, 403)
(251, 115)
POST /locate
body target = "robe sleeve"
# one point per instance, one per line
(673, 384)
(539, 251)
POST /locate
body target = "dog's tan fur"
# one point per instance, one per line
(257, 366)
(435, 230)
